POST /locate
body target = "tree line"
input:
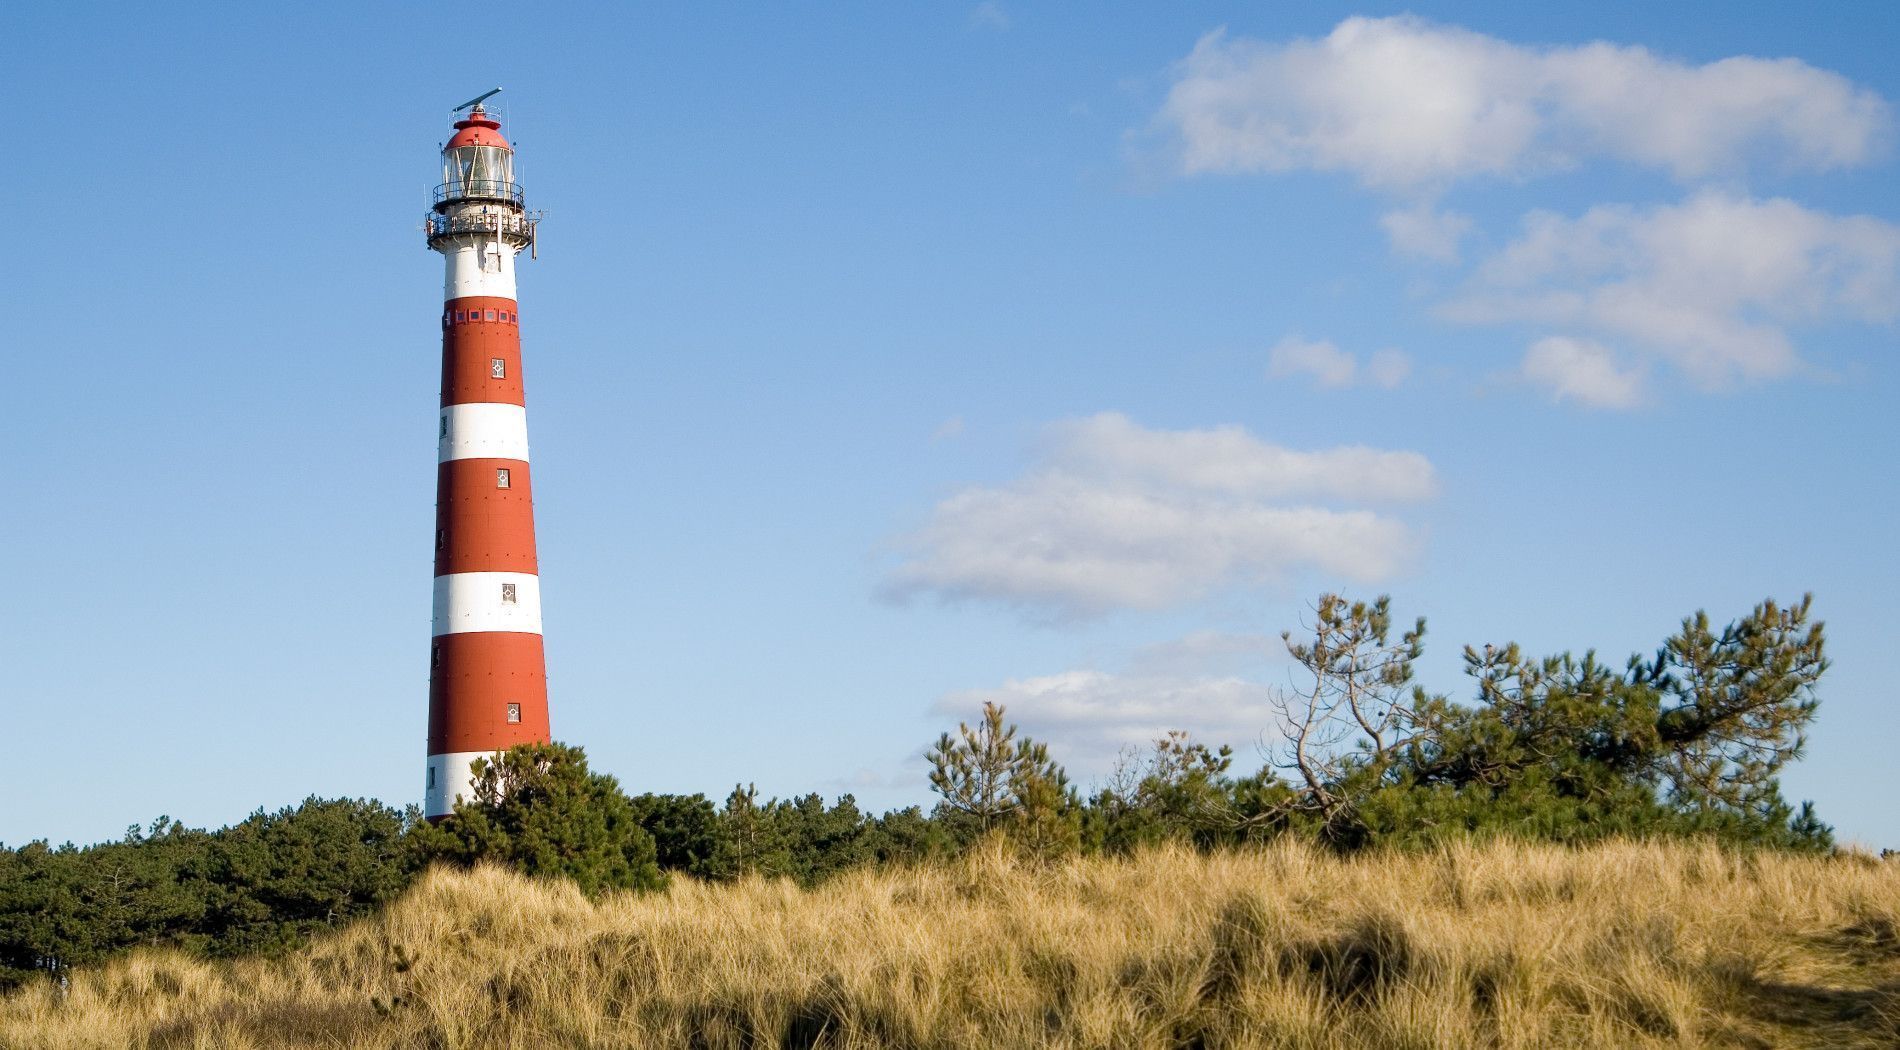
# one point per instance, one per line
(1687, 741)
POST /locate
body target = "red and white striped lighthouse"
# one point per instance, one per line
(487, 677)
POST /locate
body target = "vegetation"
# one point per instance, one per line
(1567, 749)
(1371, 770)
(1504, 944)
(538, 809)
(261, 885)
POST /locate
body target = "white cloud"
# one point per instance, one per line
(1119, 516)
(949, 428)
(1109, 449)
(1424, 232)
(1582, 371)
(1329, 366)
(1711, 285)
(1400, 102)
(1088, 717)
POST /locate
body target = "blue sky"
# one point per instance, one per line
(882, 359)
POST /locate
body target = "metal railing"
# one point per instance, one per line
(518, 229)
(478, 190)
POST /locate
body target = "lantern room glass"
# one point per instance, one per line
(478, 171)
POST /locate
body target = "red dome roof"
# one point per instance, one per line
(479, 129)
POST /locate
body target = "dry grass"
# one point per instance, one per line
(1626, 945)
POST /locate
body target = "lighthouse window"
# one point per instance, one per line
(435, 655)
(490, 316)
(431, 778)
(501, 477)
(441, 538)
(497, 368)
(460, 316)
(445, 427)
(508, 593)
(514, 714)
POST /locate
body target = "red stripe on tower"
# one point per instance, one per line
(487, 675)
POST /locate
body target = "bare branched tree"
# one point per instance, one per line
(1349, 709)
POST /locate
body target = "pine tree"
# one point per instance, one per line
(987, 774)
(1739, 704)
(537, 808)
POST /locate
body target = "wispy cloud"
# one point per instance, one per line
(1321, 361)
(1089, 718)
(1425, 232)
(989, 15)
(1329, 366)
(1119, 516)
(1388, 368)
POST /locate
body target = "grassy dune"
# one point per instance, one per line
(1493, 946)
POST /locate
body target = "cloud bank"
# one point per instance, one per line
(1711, 285)
(1402, 103)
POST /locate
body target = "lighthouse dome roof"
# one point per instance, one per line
(477, 129)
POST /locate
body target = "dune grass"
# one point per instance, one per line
(1501, 945)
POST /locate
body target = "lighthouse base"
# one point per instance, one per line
(450, 781)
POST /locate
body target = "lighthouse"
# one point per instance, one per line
(487, 674)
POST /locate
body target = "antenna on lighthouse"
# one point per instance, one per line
(477, 100)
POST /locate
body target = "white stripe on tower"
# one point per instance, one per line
(482, 430)
(482, 268)
(448, 779)
(487, 601)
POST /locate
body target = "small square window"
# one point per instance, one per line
(514, 714)
(497, 368)
(508, 593)
(460, 316)
(506, 316)
(490, 317)
(502, 477)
